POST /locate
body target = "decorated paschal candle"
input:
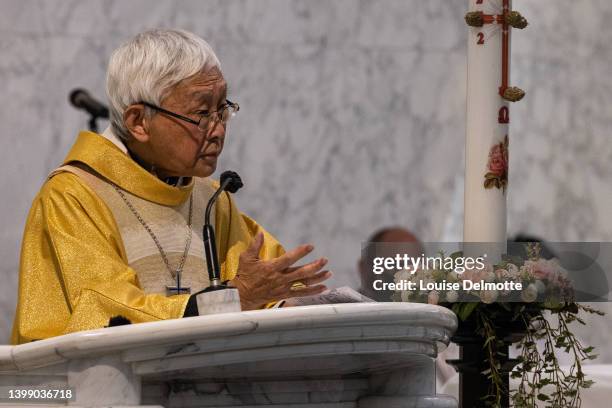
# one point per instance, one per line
(488, 115)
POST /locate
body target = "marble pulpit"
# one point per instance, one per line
(364, 355)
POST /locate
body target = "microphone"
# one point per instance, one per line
(231, 182)
(81, 99)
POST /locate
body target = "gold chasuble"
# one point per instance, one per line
(86, 257)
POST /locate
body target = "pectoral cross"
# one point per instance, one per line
(178, 289)
(506, 19)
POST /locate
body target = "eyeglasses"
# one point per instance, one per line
(223, 114)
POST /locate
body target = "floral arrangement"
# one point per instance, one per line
(519, 293)
(511, 281)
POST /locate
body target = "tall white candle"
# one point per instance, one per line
(486, 131)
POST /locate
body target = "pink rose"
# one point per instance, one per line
(544, 269)
(498, 163)
(476, 275)
(502, 274)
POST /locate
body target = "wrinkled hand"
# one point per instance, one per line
(260, 282)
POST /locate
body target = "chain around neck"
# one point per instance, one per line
(174, 273)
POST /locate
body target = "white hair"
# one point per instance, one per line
(146, 68)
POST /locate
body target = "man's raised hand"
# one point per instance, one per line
(263, 281)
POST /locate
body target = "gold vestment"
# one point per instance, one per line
(85, 257)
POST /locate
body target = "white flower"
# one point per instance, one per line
(452, 296)
(530, 293)
(513, 271)
(502, 274)
(402, 275)
(406, 296)
(488, 296)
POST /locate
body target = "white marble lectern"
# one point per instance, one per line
(329, 356)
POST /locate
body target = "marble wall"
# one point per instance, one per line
(352, 113)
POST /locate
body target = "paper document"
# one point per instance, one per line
(338, 295)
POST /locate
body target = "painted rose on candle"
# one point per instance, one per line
(497, 175)
(497, 164)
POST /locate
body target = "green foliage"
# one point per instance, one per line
(464, 310)
(542, 380)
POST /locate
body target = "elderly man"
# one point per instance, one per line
(112, 227)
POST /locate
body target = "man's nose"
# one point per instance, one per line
(216, 128)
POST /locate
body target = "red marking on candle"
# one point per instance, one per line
(505, 49)
(504, 115)
(500, 19)
(487, 18)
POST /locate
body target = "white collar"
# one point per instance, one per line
(110, 135)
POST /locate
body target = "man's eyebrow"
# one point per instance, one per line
(201, 95)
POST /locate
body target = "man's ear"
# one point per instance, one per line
(136, 122)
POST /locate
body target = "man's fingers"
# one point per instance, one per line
(305, 272)
(252, 252)
(321, 261)
(291, 257)
(317, 278)
(306, 291)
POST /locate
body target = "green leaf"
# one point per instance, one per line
(588, 384)
(466, 310)
(488, 340)
(543, 397)
(489, 183)
(456, 254)
(570, 393)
